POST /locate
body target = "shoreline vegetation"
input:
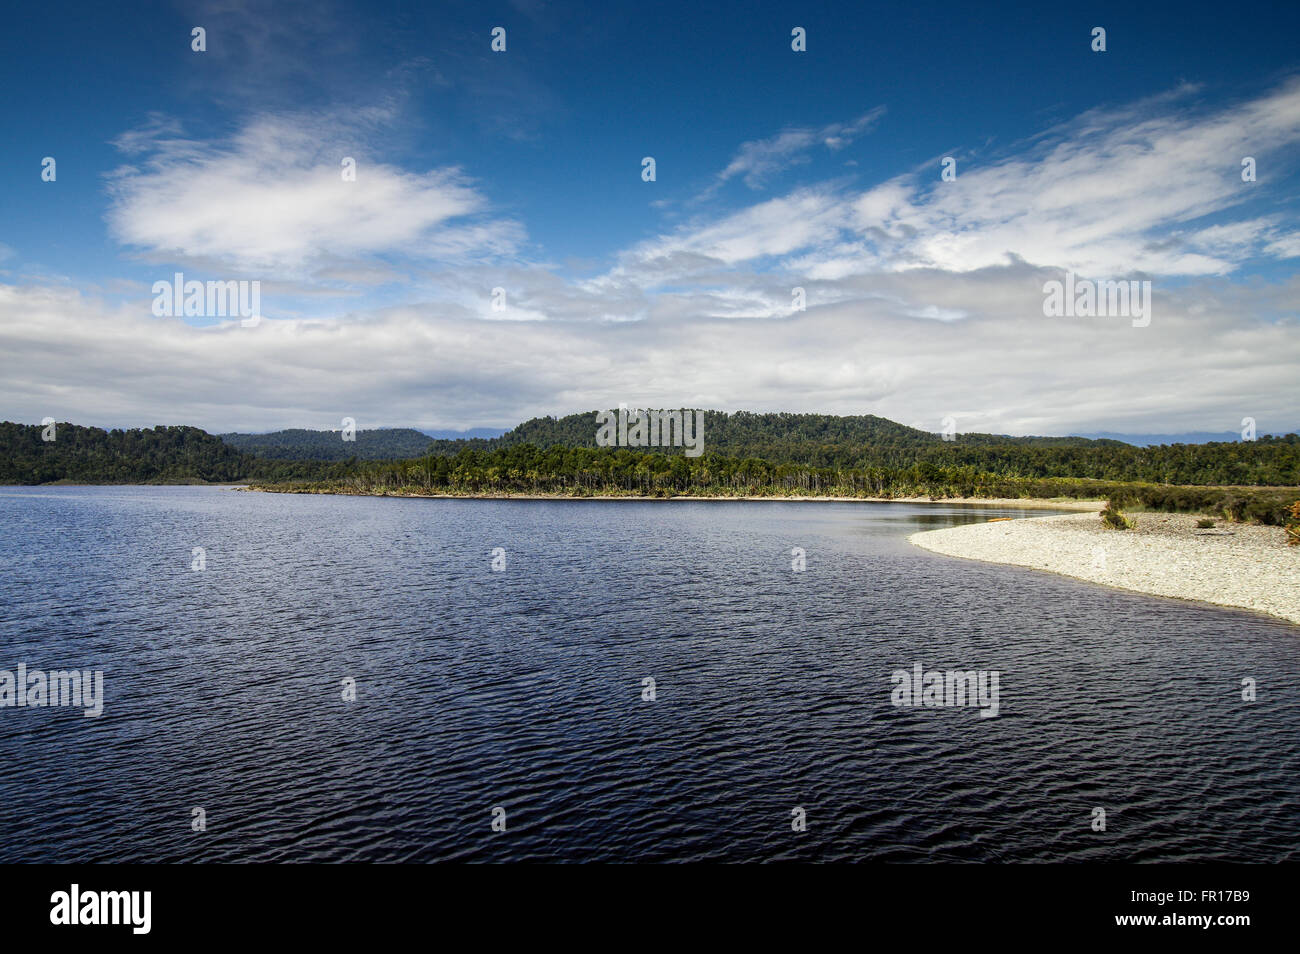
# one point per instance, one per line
(1022, 503)
(1242, 566)
(584, 473)
(744, 456)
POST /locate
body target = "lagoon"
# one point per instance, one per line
(522, 689)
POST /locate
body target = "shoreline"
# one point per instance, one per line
(1011, 503)
(1234, 565)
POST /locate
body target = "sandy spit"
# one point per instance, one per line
(1239, 565)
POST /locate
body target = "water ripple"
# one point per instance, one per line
(522, 689)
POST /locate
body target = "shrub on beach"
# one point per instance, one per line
(1293, 527)
(1205, 523)
(1113, 518)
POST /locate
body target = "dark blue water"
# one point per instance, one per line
(522, 689)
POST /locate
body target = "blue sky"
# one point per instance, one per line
(522, 170)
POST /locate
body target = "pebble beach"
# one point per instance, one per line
(1239, 565)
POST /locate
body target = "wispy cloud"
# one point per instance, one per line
(1151, 187)
(757, 161)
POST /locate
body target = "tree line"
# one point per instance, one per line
(580, 471)
(299, 444)
(906, 461)
(866, 441)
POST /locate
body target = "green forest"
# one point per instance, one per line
(580, 472)
(158, 455)
(299, 444)
(746, 454)
(829, 441)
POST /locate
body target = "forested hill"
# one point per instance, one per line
(819, 439)
(795, 438)
(298, 444)
(729, 433)
(830, 441)
(94, 456)
(157, 455)
(809, 441)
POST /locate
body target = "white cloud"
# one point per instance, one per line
(1285, 246)
(273, 200)
(756, 161)
(1199, 365)
(924, 298)
(1112, 192)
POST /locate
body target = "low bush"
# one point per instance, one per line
(1113, 518)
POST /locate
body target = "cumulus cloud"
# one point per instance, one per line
(273, 200)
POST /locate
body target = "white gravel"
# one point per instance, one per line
(1241, 565)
